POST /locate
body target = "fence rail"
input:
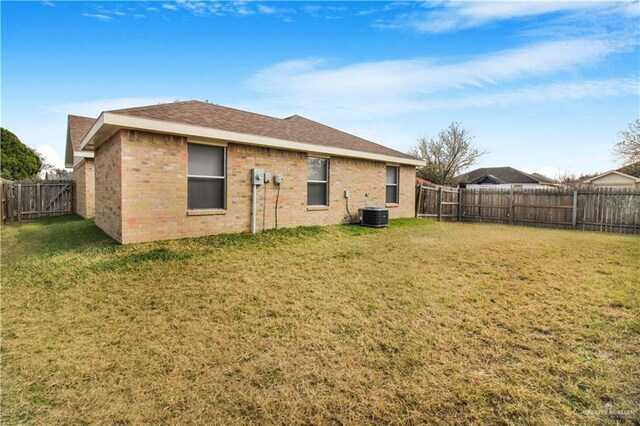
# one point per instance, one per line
(599, 209)
(25, 200)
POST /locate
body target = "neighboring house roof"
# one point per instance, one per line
(487, 180)
(542, 178)
(77, 128)
(631, 169)
(612, 172)
(201, 119)
(496, 175)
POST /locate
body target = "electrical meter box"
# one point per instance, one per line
(257, 176)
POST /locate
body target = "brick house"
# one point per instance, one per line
(184, 169)
(82, 163)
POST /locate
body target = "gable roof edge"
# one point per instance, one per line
(109, 122)
(612, 172)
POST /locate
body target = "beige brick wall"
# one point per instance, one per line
(154, 190)
(84, 177)
(108, 187)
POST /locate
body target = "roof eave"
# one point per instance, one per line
(635, 179)
(108, 123)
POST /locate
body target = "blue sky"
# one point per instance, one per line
(544, 86)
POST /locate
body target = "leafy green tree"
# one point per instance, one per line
(17, 160)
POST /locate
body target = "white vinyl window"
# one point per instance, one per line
(206, 177)
(318, 181)
(393, 178)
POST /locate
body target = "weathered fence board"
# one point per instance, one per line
(600, 209)
(31, 200)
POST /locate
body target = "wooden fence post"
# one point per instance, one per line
(439, 206)
(511, 205)
(10, 203)
(574, 218)
(39, 199)
(72, 198)
(19, 201)
(459, 204)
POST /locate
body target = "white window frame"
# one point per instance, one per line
(326, 182)
(397, 184)
(223, 177)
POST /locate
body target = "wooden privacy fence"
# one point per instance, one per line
(599, 209)
(31, 200)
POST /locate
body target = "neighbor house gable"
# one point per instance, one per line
(613, 177)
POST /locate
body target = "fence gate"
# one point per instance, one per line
(32, 200)
(440, 203)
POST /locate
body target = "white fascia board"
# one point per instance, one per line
(129, 122)
(92, 131)
(77, 161)
(83, 154)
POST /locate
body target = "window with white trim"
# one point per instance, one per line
(393, 178)
(206, 177)
(318, 181)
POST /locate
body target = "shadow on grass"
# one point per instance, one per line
(54, 235)
(71, 233)
(355, 229)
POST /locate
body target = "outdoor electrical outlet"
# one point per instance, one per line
(277, 180)
(346, 193)
(267, 177)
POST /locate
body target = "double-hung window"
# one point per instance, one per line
(393, 177)
(318, 181)
(206, 177)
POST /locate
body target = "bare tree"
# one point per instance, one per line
(627, 148)
(446, 156)
(57, 174)
(570, 180)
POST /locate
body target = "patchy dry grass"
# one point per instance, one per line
(420, 323)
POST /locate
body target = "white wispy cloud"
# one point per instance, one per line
(544, 94)
(51, 155)
(99, 16)
(440, 17)
(210, 8)
(399, 86)
(169, 6)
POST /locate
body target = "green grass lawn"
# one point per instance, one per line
(423, 322)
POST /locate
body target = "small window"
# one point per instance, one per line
(206, 177)
(392, 184)
(317, 182)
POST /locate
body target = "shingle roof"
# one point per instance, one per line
(487, 179)
(542, 178)
(632, 169)
(78, 128)
(294, 128)
(504, 174)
